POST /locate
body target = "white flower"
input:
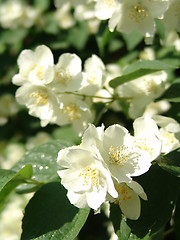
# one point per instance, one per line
(121, 155)
(86, 12)
(35, 67)
(138, 14)
(85, 177)
(76, 111)
(155, 108)
(146, 135)
(14, 14)
(172, 16)
(128, 198)
(41, 102)
(105, 8)
(94, 75)
(168, 133)
(8, 107)
(68, 75)
(64, 17)
(142, 91)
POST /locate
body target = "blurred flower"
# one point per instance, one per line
(94, 75)
(105, 8)
(131, 15)
(11, 217)
(11, 154)
(169, 133)
(68, 75)
(142, 91)
(14, 13)
(64, 17)
(35, 67)
(171, 18)
(155, 108)
(38, 139)
(8, 108)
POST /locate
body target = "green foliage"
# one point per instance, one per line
(10, 180)
(139, 69)
(163, 190)
(43, 160)
(50, 215)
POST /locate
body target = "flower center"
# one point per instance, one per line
(40, 72)
(40, 98)
(119, 155)
(91, 175)
(138, 13)
(72, 111)
(168, 138)
(109, 3)
(123, 193)
(63, 75)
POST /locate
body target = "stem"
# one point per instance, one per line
(90, 96)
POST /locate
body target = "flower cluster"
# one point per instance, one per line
(56, 92)
(14, 14)
(64, 93)
(125, 15)
(103, 166)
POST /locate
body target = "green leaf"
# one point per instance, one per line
(42, 4)
(172, 94)
(170, 163)
(78, 35)
(162, 190)
(139, 69)
(9, 180)
(43, 160)
(49, 215)
(132, 39)
(66, 133)
(123, 231)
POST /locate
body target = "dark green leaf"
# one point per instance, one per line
(170, 163)
(49, 215)
(9, 180)
(139, 69)
(173, 92)
(43, 160)
(162, 190)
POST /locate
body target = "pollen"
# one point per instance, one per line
(63, 76)
(119, 155)
(109, 3)
(144, 144)
(123, 193)
(168, 138)
(138, 13)
(72, 111)
(90, 176)
(40, 72)
(40, 98)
